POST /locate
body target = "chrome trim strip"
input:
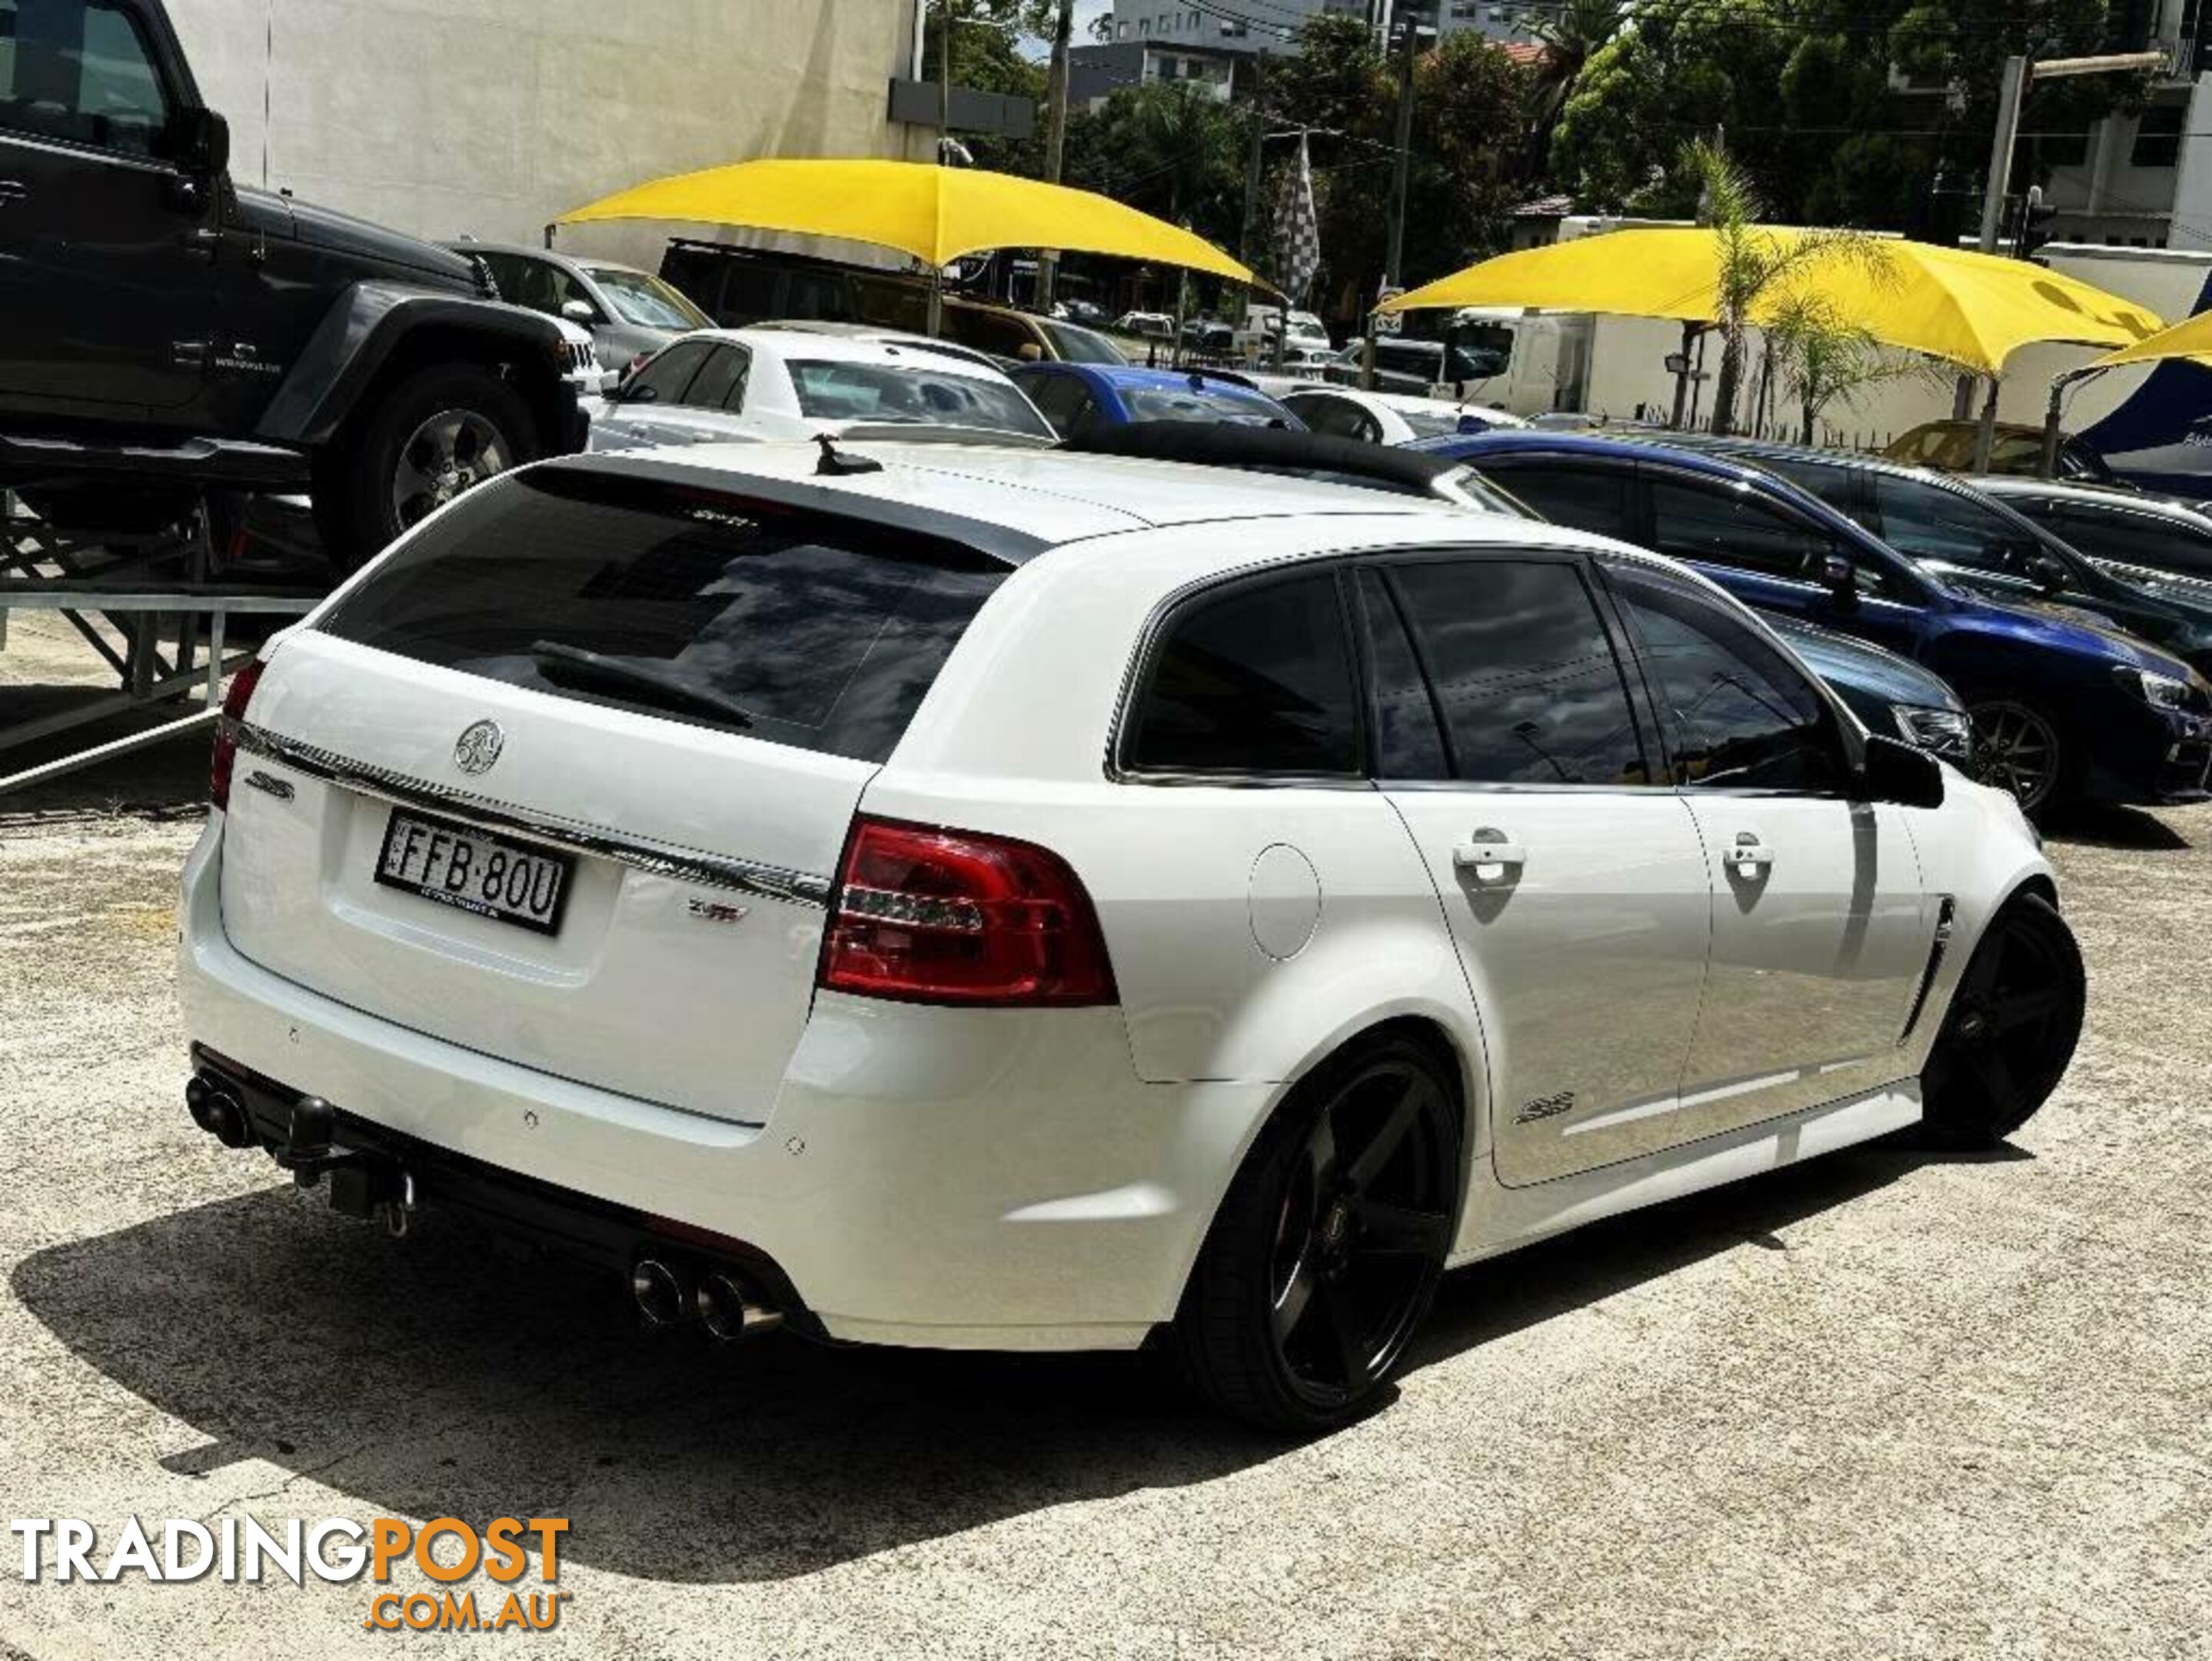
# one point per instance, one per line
(660, 859)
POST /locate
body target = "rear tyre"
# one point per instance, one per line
(437, 434)
(2010, 1031)
(2026, 749)
(1327, 1249)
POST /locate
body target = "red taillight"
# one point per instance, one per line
(225, 754)
(953, 916)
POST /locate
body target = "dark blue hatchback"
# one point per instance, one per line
(1081, 397)
(2063, 708)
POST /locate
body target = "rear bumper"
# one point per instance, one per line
(962, 1179)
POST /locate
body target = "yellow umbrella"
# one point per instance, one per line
(936, 214)
(2191, 338)
(1973, 309)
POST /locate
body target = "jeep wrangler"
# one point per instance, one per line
(169, 336)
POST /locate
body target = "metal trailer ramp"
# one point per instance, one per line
(154, 608)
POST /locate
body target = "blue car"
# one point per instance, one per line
(1081, 397)
(2065, 708)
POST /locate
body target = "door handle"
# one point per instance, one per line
(13, 190)
(1489, 855)
(1752, 858)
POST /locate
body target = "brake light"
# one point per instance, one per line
(931, 915)
(224, 757)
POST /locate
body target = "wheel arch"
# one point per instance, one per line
(1458, 1052)
(377, 333)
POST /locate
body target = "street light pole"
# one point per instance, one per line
(1056, 141)
(2011, 90)
(1399, 167)
(2020, 75)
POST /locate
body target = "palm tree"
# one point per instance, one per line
(1756, 265)
(1821, 357)
(1574, 37)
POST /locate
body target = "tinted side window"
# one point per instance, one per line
(663, 381)
(1061, 399)
(1587, 498)
(2133, 539)
(1408, 742)
(1255, 680)
(82, 73)
(1339, 417)
(802, 629)
(1744, 717)
(1524, 672)
(1726, 524)
(721, 385)
(989, 331)
(1929, 522)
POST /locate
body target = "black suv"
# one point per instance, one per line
(166, 331)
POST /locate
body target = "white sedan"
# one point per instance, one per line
(715, 384)
(1388, 417)
(1019, 900)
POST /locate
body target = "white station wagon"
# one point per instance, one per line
(1016, 900)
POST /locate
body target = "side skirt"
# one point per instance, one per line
(1506, 1218)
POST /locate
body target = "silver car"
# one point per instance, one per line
(630, 312)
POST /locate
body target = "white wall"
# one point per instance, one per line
(490, 116)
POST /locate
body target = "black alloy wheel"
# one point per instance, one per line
(2018, 748)
(1328, 1248)
(2010, 1031)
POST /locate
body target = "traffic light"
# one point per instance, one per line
(2035, 217)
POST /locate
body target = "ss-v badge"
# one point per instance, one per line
(478, 746)
(1546, 1107)
(718, 911)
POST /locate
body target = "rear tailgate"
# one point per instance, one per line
(615, 887)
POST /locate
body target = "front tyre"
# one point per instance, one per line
(1328, 1247)
(2010, 1031)
(434, 434)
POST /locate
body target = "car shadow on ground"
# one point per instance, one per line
(443, 1375)
(2095, 826)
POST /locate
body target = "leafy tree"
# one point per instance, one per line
(1580, 30)
(1804, 90)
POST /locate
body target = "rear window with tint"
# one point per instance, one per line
(691, 605)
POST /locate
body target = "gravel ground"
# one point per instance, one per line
(1877, 1406)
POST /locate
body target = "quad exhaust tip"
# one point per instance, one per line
(670, 1293)
(216, 1110)
(728, 1308)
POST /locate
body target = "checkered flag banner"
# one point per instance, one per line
(1297, 231)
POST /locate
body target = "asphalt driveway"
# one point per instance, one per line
(1879, 1405)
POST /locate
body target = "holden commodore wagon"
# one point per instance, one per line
(1012, 899)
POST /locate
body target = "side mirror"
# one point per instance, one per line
(2046, 572)
(579, 311)
(1841, 578)
(202, 139)
(1894, 771)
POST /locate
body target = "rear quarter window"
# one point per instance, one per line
(801, 628)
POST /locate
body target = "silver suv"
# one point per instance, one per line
(630, 312)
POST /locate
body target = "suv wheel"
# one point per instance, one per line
(1329, 1245)
(433, 436)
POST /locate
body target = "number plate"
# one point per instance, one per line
(472, 870)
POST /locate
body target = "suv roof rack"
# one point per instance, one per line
(1270, 449)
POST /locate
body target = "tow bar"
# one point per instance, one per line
(364, 1186)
